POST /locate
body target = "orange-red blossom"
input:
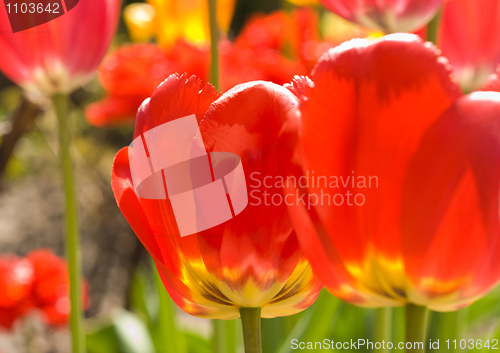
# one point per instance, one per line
(428, 232)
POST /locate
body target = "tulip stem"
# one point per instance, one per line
(433, 28)
(250, 321)
(383, 328)
(60, 103)
(214, 44)
(416, 327)
(29, 335)
(450, 326)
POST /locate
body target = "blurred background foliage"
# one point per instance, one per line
(130, 310)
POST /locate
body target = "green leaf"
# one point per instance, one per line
(495, 335)
(103, 340)
(167, 337)
(273, 334)
(132, 334)
(140, 297)
(356, 323)
(276, 330)
(197, 344)
(485, 308)
(226, 335)
(315, 323)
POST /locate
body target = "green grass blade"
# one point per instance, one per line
(315, 323)
(167, 337)
(226, 336)
(132, 333)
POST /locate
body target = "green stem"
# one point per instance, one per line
(29, 335)
(250, 321)
(450, 327)
(433, 28)
(416, 327)
(60, 102)
(383, 328)
(214, 44)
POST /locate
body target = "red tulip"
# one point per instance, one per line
(51, 286)
(131, 73)
(470, 39)
(410, 211)
(239, 65)
(16, 280)
(257, 53)
(386, 15)
(253, 259)
(60, 55)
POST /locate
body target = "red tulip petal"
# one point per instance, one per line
(451, 217)
(386, 15)
(148, 223)
(364, 117)
(263, 31)
(470, 38)
(246, 65)
(113, 110)
(191, 59)
(247, 120)
(135, 69)
(176, 97)
(133, 210)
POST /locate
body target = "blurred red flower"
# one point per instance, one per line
(39, 281)
(470, 38)
(420, 164)
(130, 74)
(62, 54)
(272, 48)
(51, 287)
(16, 281)
(252, 260)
